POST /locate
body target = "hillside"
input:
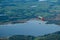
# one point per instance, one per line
(15, 10)
(52, 36)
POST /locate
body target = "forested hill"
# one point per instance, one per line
(12, 11)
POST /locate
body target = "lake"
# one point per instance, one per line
(31, 27)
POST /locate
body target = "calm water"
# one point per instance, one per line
(32, 27)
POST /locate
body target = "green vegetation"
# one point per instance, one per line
(21, 37)
(20, 10)
(52, 36)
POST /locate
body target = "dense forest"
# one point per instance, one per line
(13, 11)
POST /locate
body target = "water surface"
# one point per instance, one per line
(32, 27)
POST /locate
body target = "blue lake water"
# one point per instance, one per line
(32, 27)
